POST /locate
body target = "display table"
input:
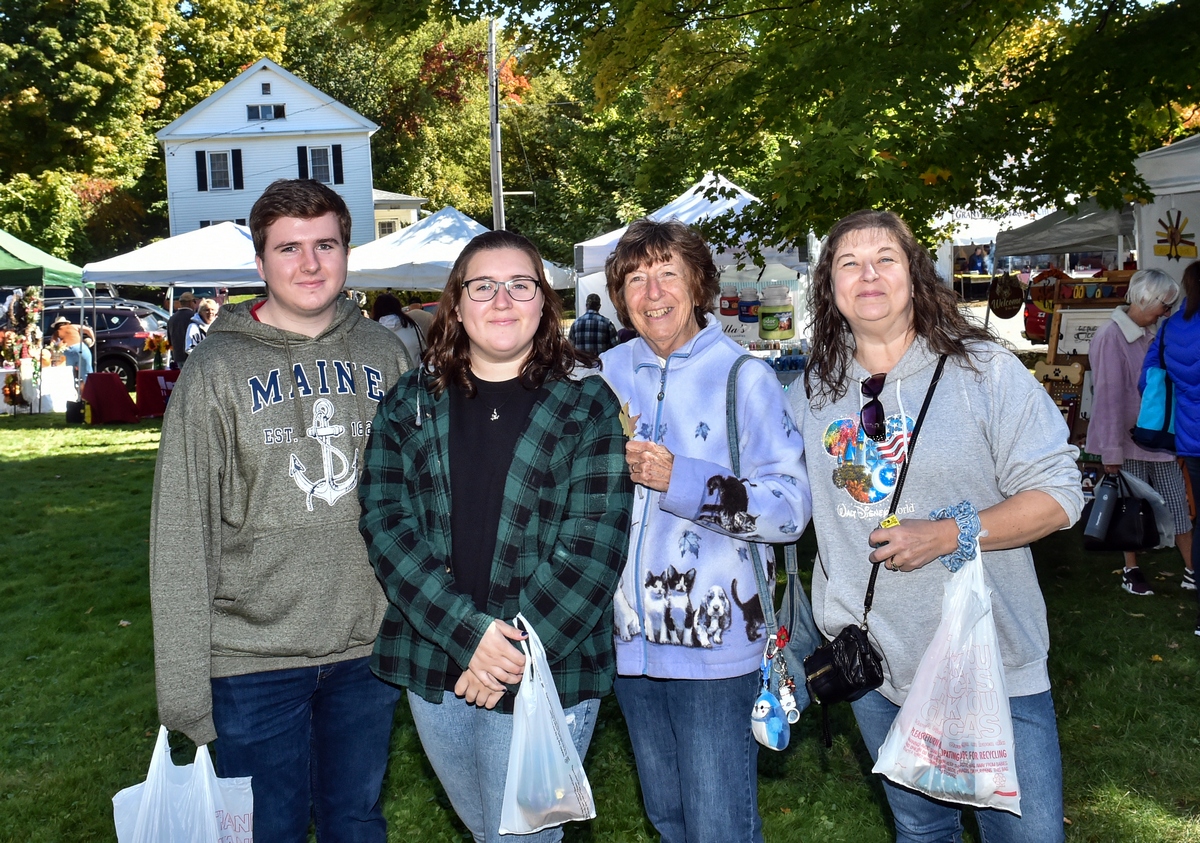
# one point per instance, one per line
(153, 389)
(58, 387)
(55, 387)
(970, 282)
(109, 400)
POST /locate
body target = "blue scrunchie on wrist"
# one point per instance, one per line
(969, 529)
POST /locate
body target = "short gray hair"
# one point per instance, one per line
(1149, 286)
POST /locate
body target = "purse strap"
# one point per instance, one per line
(869, 599)
(766, 594)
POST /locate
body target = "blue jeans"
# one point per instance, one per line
(920, 819)
(468, 748)
(697, 760)
(315, 740)
(79, 358)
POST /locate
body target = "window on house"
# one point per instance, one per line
(265, 112)
(266, 89)
(387, 227)
(318, 164)
(218, 171)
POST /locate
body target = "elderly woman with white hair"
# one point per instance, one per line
(1116, 356)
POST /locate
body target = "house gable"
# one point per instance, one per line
(264, 125)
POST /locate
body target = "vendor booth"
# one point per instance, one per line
(41, 382)
(784, 266)
(420, 256)
(1167, 226)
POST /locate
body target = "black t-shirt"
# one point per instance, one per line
(483, 435)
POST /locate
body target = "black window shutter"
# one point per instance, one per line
(279, 112)
(201, 170)
(205, 223)
(240, 220)
(302, 162)
(337, 163)
(237, 170)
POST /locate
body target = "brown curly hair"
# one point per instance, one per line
(647, 241)
(936, 316)
(447, 355)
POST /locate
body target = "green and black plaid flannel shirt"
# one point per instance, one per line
(561, 544)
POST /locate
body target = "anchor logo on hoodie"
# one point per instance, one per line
(337, 481)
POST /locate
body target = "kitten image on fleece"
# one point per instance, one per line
(667, 607)
(625, 619)
(752, 611)
(654, 608)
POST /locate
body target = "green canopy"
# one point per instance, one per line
(22, 265)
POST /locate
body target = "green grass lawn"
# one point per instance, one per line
(78, 721)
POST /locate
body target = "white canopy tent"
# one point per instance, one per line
(1089, 229)
(217, 255)
(971, 230)
(783, 263)
(1167, 225)
(420, 256)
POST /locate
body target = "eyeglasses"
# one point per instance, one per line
(871, 416)
(521, 288)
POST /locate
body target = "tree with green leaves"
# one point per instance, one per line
(915, 105)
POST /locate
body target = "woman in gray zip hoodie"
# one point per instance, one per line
(991, 461)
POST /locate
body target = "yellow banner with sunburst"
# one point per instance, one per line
(1173, 242)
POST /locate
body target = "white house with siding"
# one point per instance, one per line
(264, 125)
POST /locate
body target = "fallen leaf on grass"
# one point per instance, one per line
(1067, 821)
(1135, 614)
(1095, 725)
(123, 623)
(1173, 645)
(1117, 570)
(1156, 658)
(89, 611)
(785, 810)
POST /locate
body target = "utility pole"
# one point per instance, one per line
(494, 129)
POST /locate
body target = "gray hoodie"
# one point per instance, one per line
(989, 434)
(256, 562)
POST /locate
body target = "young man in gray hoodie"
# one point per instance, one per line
(265, 606)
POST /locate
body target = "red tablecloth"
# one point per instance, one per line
(153, 389)
(110, 402)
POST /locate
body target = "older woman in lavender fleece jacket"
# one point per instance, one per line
(1116, 356)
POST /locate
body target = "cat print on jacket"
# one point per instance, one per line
(730, 510)
(668, 614)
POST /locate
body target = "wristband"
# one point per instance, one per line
(969, 529)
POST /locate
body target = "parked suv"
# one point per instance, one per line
(121, 332)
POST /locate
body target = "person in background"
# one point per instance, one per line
(592, 332)
(177, 327)
(687, 665)
(494, 484)
(988, 261)
(264, 603)
(389, 313)
(206, 312)
(882, 322)
(76, 342)
(1116, 356)
(1182, 355)
(976, 264)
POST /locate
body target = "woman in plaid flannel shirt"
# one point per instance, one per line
(495, 483)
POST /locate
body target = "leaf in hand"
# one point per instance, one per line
(628, 423)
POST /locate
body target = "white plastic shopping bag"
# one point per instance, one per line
(1162, 513)
(953, 737)
(546, 785)
(187, 804)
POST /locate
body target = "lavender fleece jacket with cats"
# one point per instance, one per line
(688, 605)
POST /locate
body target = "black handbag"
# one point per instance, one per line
(1132, 526)
(849, 667)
